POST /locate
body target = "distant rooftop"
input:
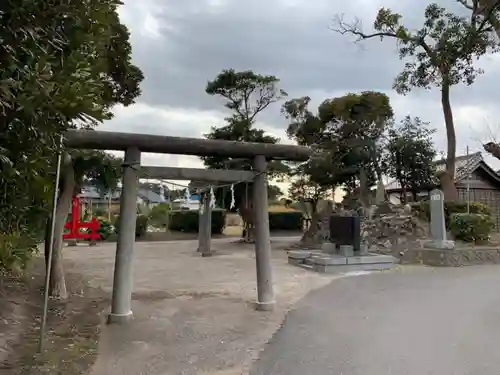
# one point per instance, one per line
(91, 192)
(464, 165)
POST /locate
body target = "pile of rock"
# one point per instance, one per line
(391, 229)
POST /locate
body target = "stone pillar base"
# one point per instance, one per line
(265, 306)
(119, 318)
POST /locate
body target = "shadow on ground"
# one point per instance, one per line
(192, 315)
(73, 326)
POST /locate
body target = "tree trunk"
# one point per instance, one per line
(310, 234)
(57, 285)
(246, 213)
(363, 188)
(448, 177)
(404, 193)
(493, 149)
(484, 9)
(414, 194)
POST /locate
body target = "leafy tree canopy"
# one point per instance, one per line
(445, 47)
(441, 54)
(62, 65)
(409, 156)
(345, 132)
(306, 190)
(246, 94)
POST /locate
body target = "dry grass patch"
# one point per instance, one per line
(73, 326)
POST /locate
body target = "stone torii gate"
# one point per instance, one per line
(205, 177)
(134, 145)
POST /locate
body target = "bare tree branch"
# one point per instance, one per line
(345, 28)
(466, 4)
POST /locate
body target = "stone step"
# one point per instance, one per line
(371, 259)
(353, 268)
(309, 261)
(306, 266)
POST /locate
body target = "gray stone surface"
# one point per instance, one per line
(436, 206)
(125, 245)
(346, 250)
(296, 261)
(438, 244)
(417, 321)
(392, 230)
(329, 248)
(265, 286)
(334, 260)
(363, 250)
(453, 257)
(371, 259)
(299, 254)
(343, 269)
(205, 226)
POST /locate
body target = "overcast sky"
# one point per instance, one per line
(180, 45)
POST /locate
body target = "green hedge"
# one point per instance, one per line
(471, 227)
(105, 230)
(141, 225)
(159, 215)
(285, 220)
(187, 221)
(422, 210)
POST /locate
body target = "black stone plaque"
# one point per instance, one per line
(346, 230)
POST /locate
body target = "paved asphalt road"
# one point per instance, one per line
(417, 321)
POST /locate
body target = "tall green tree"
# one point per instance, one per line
(439, 54)
(274, 192)
(409, 156)
(62, 65)
(344, 133)
(347, 130)
(361, 120)
(97, 167)
(246, 94)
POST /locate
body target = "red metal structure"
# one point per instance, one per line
(75, 225)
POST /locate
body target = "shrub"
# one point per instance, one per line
(141, 226)
(291, 220)
(422, 210)
(187, 221)
(105, 228)
(16, 249)
(471, 227)
(159, 215)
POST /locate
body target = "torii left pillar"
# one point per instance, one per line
(205, 227)
(121, 310)
(265, 292)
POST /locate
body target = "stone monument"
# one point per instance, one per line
(438, 225)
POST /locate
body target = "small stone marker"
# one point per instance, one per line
(329, 248)
(363, 249)
(346, 250)
(380, 193)
(436, 205)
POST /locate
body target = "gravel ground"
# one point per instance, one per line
(192, 315)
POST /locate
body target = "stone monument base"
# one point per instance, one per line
(440, 257)
(319, 261)
(438, 244)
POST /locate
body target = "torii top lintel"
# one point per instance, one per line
(104, 140)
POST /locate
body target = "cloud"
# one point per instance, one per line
(180, 45)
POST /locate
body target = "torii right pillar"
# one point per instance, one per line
(265, 292)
